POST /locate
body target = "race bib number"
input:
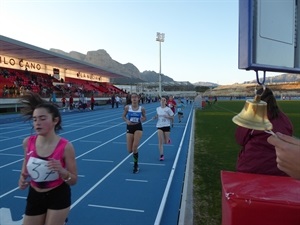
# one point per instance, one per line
(162, 120)
(134, 119)
(39, 171)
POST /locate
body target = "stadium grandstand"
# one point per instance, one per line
(24, 67)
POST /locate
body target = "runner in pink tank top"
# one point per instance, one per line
(49, 166)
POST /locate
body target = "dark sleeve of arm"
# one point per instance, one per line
(242, 135)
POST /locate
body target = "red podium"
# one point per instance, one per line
(253, 199)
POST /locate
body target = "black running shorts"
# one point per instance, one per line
(132, 128)
(164, 129)
(39, 202)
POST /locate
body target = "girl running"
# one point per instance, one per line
(134, 115)
(165, 117)
(49, 166)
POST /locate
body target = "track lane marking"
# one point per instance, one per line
(116, 208)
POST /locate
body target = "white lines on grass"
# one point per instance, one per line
(116, 208)
(225, 109)
(97, 160)
(133, 180)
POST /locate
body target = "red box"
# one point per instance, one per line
(254, 199)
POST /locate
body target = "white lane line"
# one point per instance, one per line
(143, 181)
(116, 208)
(150, 164)
(110, 172)
(121, 143)
(171, 176)
(4, 137)
(97, 160)
(8, 164)
(91, 150)
(91, 141)
(7, 193)
(22, 197)
(165, 145)
(63, 133)
(12, 154)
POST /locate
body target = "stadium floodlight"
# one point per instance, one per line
(160, 37)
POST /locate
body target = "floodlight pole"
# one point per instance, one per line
(160, 37)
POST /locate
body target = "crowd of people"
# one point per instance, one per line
(17, 83)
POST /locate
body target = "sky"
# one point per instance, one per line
(201, 36)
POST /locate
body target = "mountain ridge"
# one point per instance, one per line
(102, 59)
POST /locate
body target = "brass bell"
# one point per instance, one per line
(254, 115)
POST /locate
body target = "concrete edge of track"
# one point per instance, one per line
(186, 209)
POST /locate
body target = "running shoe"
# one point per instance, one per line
(135, 169)
(169, 141)
(162, 158)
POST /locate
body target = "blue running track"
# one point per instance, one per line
(107, 192)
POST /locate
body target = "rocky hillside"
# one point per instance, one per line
(205, 84)
(281, 78)
(102, 59)
(151, 76)
(285, 88)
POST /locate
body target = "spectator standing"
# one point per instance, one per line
(117, 101)
(180, 107)
(63, 101)
(128, 99)
(92, 102)
(113, 99)
(215, 99)
(71, 102)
